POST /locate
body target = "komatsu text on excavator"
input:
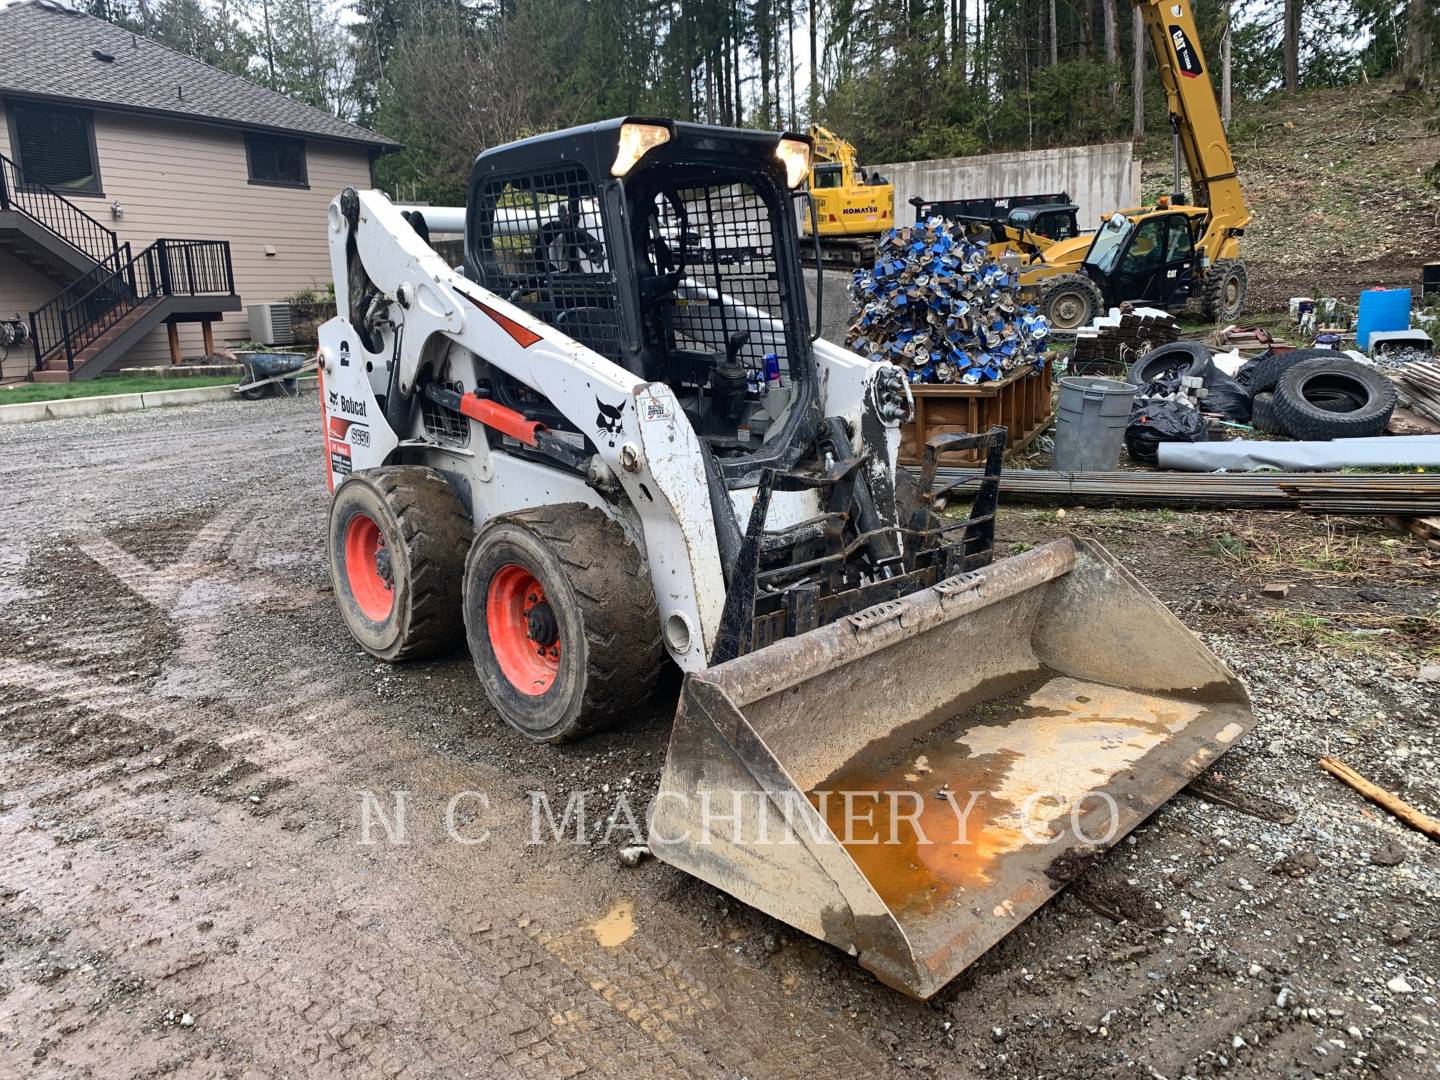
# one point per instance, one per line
(612, 443)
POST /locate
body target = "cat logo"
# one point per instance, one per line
(609, 421)
(1185, 54)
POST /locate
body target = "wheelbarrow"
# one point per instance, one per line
(272, 373)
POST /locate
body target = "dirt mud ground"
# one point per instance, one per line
(187, 737)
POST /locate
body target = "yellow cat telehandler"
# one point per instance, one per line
(1165, 254)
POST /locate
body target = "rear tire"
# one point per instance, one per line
(1222, 296)
(398, 538)
(1069, 301)
(562, 621)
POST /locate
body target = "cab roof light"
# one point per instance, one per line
(637, 140)
(794, 154)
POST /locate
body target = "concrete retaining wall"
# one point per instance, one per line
(1099, 178)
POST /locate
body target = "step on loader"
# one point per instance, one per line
(611, 442)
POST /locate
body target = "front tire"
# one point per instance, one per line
(1070, 301)
(562, 621)
(398, 538)
(1222, 297)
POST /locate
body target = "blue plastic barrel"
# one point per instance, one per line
(1381, 310)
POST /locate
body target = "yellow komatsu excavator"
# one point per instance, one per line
(852, 207)
(1165, 254)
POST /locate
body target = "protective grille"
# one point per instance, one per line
(544, 248)
(728, 243)
(445, 426)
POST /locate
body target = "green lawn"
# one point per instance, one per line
(119, 384)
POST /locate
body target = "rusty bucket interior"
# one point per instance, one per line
(911, 782)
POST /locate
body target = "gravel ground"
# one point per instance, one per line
(188, 737)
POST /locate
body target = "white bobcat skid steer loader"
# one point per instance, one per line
(611, 440)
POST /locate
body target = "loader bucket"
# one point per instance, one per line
(911, 782)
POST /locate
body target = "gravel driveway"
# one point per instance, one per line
(193, 756)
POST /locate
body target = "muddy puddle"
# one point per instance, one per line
(937, 815)
(617, 926)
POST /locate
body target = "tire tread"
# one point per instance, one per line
(437, 533)
(1304, 420)
(1054, 284)
(618, 609)
(1212, 292)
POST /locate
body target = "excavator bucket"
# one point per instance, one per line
(911, 782)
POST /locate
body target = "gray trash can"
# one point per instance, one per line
(1090, 423)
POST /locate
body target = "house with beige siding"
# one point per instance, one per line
(146, 198)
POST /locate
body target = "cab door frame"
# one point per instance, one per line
(1166, 281)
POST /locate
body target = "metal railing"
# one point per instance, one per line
(118, 285)
(47, 207)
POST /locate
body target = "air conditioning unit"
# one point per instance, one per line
(270, 324)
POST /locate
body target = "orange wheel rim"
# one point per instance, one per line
(368, 569)
(524, 634)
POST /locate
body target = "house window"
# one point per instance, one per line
(55, 146)
(273, 160)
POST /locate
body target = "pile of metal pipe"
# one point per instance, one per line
(1398, 494)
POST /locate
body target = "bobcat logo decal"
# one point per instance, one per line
(610, 422)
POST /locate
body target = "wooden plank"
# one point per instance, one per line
(1378, 795)
(174, 335)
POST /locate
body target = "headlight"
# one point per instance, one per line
(794, 154)
(637, 140)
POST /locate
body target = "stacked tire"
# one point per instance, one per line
(1318, 394)
(1335, 398)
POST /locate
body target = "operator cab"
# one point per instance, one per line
(671, 250)
(1146, 256)
(1056, 221)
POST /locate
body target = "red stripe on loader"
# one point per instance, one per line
(525, 338)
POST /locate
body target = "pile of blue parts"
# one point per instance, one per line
(937, 306)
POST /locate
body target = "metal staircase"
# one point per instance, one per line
(46, 231)
(110, 296)
(108, 310)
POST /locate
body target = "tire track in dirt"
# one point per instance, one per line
(549, 1011)
(530, 1018)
